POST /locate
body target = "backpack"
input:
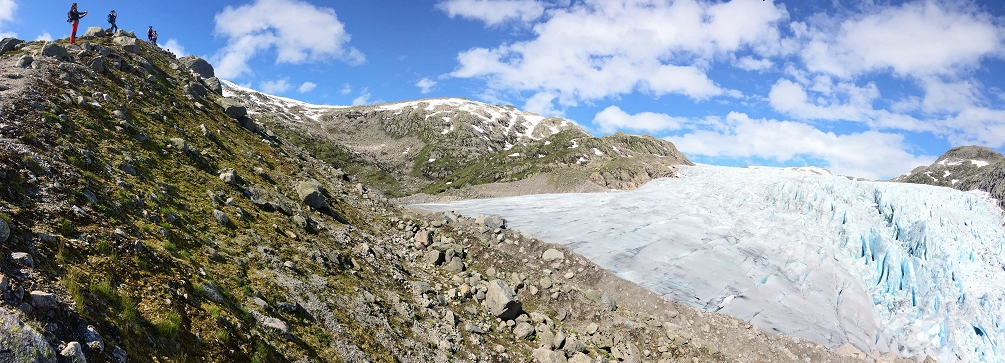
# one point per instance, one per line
(111, 19)
(69, 16)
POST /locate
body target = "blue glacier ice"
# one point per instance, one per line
(911, 269)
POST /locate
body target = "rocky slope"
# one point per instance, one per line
(964, 168)
(144, 217)
(448, 146)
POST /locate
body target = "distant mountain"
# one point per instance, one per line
(450, 144)
(964, 168)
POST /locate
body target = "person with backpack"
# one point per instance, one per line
(150, 35)
(74, 17)
(155, 37)
(111, 20)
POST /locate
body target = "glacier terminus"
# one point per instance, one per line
(888, 267)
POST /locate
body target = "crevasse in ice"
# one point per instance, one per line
(907, 268)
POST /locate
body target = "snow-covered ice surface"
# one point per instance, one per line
(907, 268)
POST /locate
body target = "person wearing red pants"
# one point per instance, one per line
(74, 17)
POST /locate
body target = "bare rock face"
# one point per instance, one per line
(199, 66)
(22, 342)
(214, 85)
(233, 107)
(501, 301)
(130, 44)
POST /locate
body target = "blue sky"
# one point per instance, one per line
(869, 88)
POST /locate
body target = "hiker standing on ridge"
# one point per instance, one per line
(74, 17)
(155, 37)
(111, 20)
(150, 35)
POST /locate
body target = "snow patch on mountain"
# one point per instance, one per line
(888, 267)
(507, 118)
(261, 102)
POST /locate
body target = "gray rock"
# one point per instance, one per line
(573, 346)
(421, 287)
(433, 257)
(128, 169)
(20, 340)
(4, 230)
(545, 355)
(9, 44)
(233, 107)
(93, 339)
(52, 49)
(627, 352)
(179, 143)
(221, 217)
(276, 325)
(129, 44)
(455, 265)
(248, 123)
(580, 358)
(523, 330)
(602, 341)
(210, 292)
(423, 239)
(214, 85)
(553, 255)
(501, 301)
(23, 259)
(93, 32)
(229, 176)
(492, 221)
(44, 301)
(592, 328)
(25, 61)
(198, 65)
(450, 318)
(4, 282)
(310, 194)
(119, 354)
(472, 328)
(608, 302)
(97, 64)
(74, 353)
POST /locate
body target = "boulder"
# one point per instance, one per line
(179, 143)
(97, 64)
(214, 85)
(129, 44)
(233, 107)
(210, 292)
(4, 230)
(523, 330)
(221, 217)
(580, 358)
(198, 65)
(93, 339)
(51, 49)
(93, 32)
(608, 302)
(553, 255)
(248, 123)
(229, 176)
(25, 62)
(455, 265)
(310, 194)
(42, 300)
(197, 89)
(422, 239)
(573, 346)
(23, 259)
(21, 340)
(491, 221)
(433, 257)
(74, 353)
(545, 355)
(8, 44)
(501, 301)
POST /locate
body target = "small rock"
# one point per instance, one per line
(221, 217)
(433, 257)
(472, 328)
(290, 265)
(276, 325)
(455, 265)
(501, 301)
(4, 230)
(423, 239)
(119, 354)
(4, 282)
(545, 355)
(97, 64)
(608, 302)
(93, 339)
(553, 255)
(592, 328)
(310, 194)
(179, 143)
(73, 353)
(210, 292)
(494, 221)
(580, 358)
(25, 61)
(23, 259)
(229, 176)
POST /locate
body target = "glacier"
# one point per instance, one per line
(911, 269)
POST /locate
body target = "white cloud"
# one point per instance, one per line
(977, 125)
(751, 64)
(425, 85)
(45, 36)
(613, 118)
(914, 39)
(299, 31)
(494, 12)
(175, 47)
(601, 48)
(7, 9)
(277, 86)
(364, 99)
(869, 154)
(346, 89)
(842, 101)
(307, 87)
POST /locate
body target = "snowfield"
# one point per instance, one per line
(887, 267)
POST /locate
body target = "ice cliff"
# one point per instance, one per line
(911, 269)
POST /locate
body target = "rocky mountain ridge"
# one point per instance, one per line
(964, 168)
(145, 217)
(456, 146)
